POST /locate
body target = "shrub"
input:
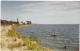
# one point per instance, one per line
(34, 38)
(13, 45)
(32, 41)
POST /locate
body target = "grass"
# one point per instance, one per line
(2, 44)
(27, 41)
(13, 45)
(4, 25)
(34, 38)
(11, 33)
(31, 42)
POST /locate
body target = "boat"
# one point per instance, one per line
(54, 34)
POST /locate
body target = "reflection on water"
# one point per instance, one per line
(66, 39)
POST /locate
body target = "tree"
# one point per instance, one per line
(17, 21)
(5, 22)
(21, 22)
(28, 22)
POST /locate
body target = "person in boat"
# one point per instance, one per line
(54, 34)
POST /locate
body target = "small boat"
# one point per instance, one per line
(54, 34)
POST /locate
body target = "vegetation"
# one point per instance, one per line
(14, 45)
(34, 38)
(31, 42)
(5, 22)
(2, 44)
(29, 22)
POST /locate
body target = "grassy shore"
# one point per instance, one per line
(13, 40)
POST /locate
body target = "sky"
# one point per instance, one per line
(42, 12)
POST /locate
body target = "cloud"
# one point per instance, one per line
(48, 12)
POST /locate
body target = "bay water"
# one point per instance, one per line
(67, 35)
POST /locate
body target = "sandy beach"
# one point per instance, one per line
(14, 42)
(6, 41)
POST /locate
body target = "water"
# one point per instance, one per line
(67, 35)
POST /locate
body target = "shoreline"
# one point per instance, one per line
(17, 41)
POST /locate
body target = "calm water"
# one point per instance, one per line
(67, 35)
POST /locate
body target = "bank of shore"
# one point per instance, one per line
(13, 40)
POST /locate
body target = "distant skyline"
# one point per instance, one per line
(42, 12)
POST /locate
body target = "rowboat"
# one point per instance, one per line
(53, 34)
